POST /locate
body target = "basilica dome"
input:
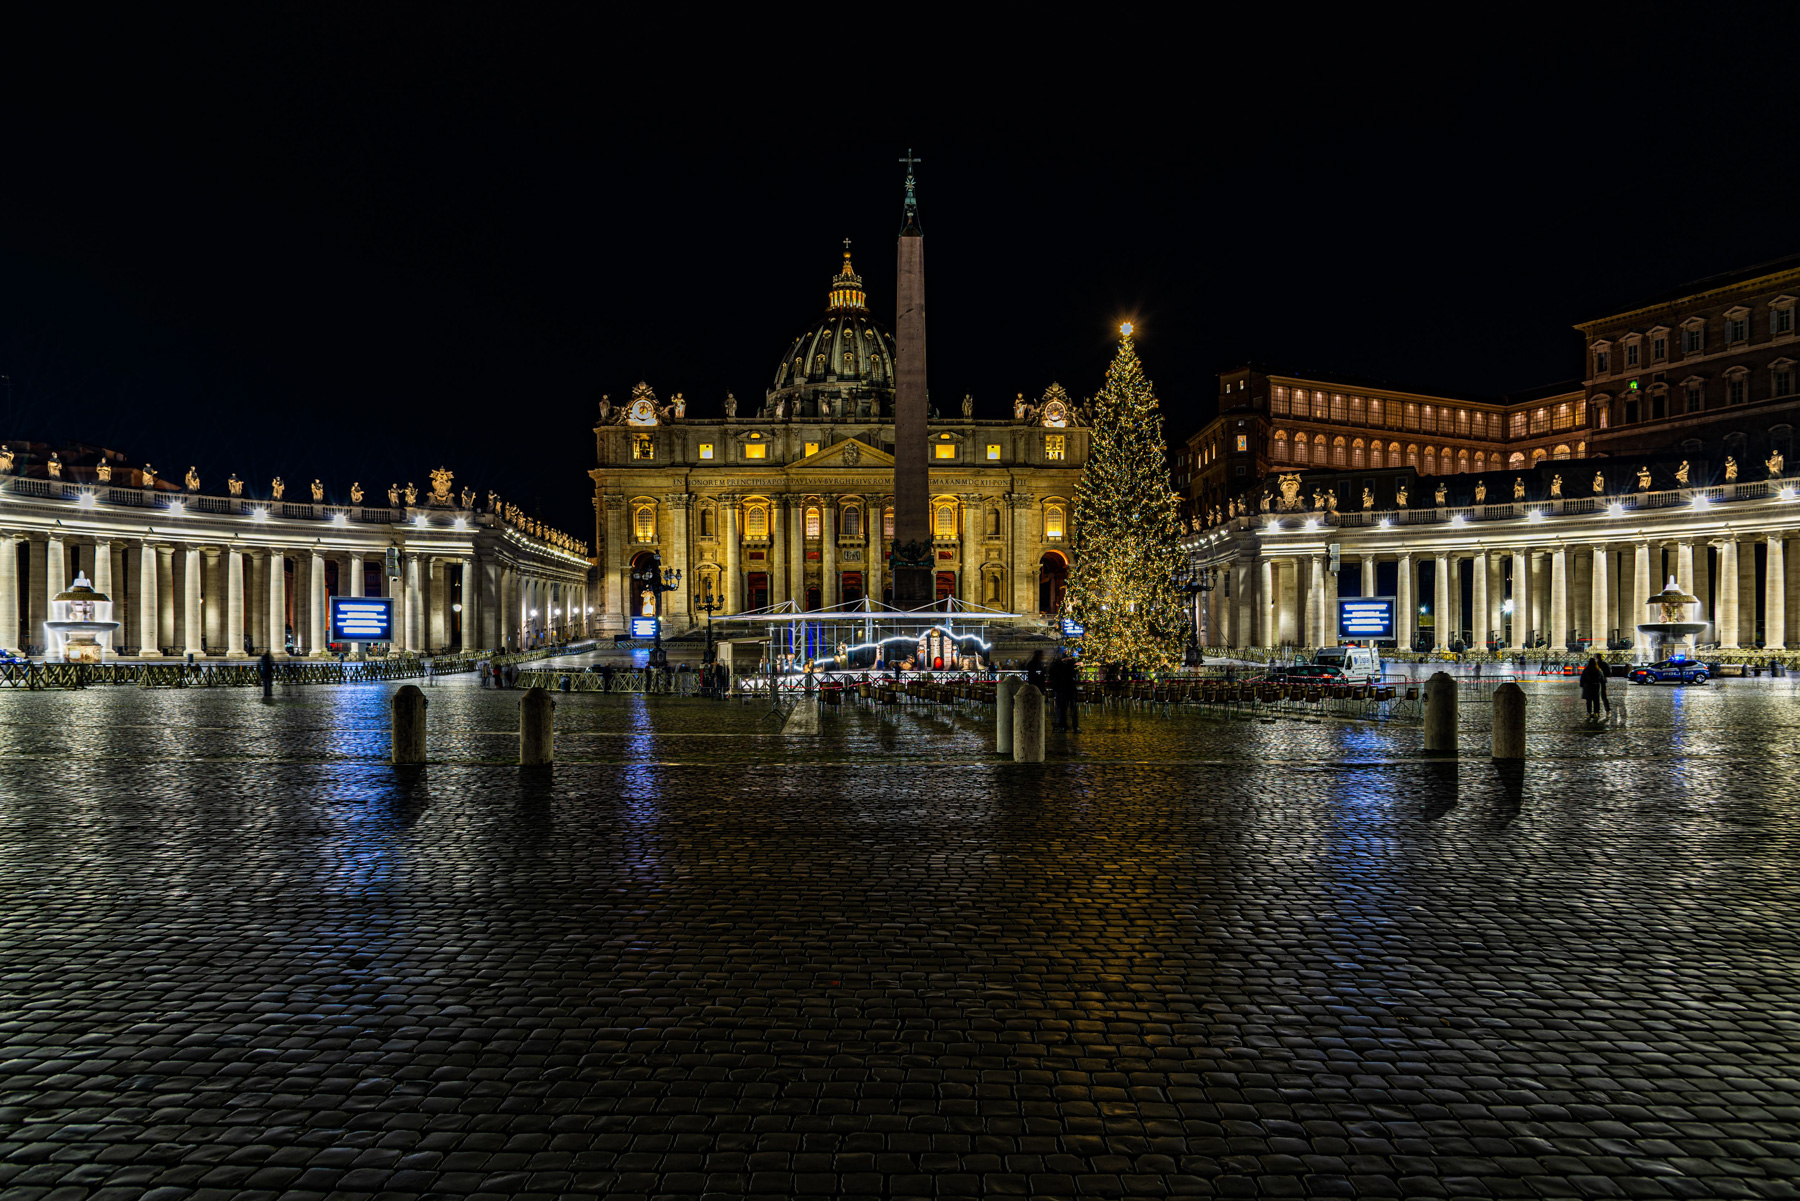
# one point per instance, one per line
(841, 368)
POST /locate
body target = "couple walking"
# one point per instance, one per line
(1062, 681)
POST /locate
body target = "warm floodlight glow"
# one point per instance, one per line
(259, 514)
(1386, 522)
(1616, 509)
(87, 500)
(339, 519)
(1125, 329)
(1786, 494)
(1535, 515)
(1456, 519)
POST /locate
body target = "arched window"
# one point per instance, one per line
(1300, 450)
(1053, 522)
(1480, 461)
(1339, 455)
(1430, 467)
(1357, 456)
(643, 522)
(1515, 460)
(1412, 455)
(1393, 454)
(756, 521)
(1602, 414)
(944, 525)
(812, 522)
(1539, 455)
(852, 522)
(1562, 451)
(1279, 450)
(1319, 449)
(1581, 450)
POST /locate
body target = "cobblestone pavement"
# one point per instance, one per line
(245, 958)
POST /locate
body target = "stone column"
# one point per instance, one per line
(781, 514)
(55, 577)
(9, 592)
(256, 599)
(872, 551)
(618, 608)
(315, 606)
(437, 611)
(191, 640)
(471, 603)
(796, 540)
(212, 602)
(1775, 596)
(149, 605)
(37, 608)
(830, 587)
(1559, 597)
(234, 603)
(1521, 598)
(1440, 604)
(1287, 595)
(1368, 575)
(1540, 596)
(1684, 566)
(415, 604)
(970, 552)
(103, 569)
(1315, 601)
(356, 577)
(165, 591)
(680, 507)
(1496, 621)
(731, 584)
(1405, 605)
(1268, 629)
(1243, 595)
(1611, 559)
(1640, 589)
(1728, 594)
(1598, 595)
(277, 602)
(1018, 516)
(1478, 602)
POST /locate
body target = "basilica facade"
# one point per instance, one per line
(791, 499)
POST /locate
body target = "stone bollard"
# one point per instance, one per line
(1440, 715)
(1003, 714)
(536, 728)
(1509, 722)
(409, 725)
(1028, 725)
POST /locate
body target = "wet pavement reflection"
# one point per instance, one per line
(244, 956)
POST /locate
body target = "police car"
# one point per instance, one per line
(1671, 671)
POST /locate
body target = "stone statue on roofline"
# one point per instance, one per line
(1368, 498)
(1556, 487)
(1400, 496)
(1438, 496)
(54, 466)
(276, 487)
(730, 405)
(318, 492)
(193, 480)
(1480, 491)
(1643, 475)
(1774, 463)
(1681, 473)
(234, 485)
(356, 493)
(1599, 482)
(103, 471)
(1730, 470)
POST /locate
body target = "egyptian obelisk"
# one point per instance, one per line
(911, 561)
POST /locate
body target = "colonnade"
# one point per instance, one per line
(1592, 584)
(231, 601)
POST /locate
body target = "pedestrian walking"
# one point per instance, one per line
(1065, 685)
(1593, 687)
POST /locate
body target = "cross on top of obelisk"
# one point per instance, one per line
(912, 203)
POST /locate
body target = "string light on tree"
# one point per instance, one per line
(1122, 587)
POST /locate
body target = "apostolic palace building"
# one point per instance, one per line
(1546, 519)
(792, 500)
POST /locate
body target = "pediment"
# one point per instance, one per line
(848, 453)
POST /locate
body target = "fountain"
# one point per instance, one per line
(79, 630)
(1672, 629)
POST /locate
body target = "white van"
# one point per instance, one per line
(1360, 664)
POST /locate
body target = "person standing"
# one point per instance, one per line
(1065, 685)
(1034, 670)
(1593, 686)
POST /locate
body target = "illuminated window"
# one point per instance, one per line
(1374, 410)
(1356, 410)
(706, 450)
(1540, 421)
(756, 521)
(1053, 523)
(1430, 467)
(1561, 451)
(993, 451)
(1339, 455)
(852, 522)
(1054, 448)
(1321, 406)
(1516, 460)
(812, 523)
(642, 446)
(812, 448)
(945, 523)
(1462, 460)
(756, 450)
(1278, 401)
(944, 450)
(887, 523)
(1564, 417)
(643, 522)
(1243, 442)
(1339, 412)
(1412, 455)
(1280, 451)
(1357, 456)
(1515, 425)
(1300, 452)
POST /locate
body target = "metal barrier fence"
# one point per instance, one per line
(249, 674)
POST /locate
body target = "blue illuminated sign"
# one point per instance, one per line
(362, 619)
(1366, 617)
(1073, 629)
(643, 627)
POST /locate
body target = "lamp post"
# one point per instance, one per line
(705, 602)
(654, 579)
(1194, 581)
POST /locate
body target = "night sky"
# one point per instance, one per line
(360, 246)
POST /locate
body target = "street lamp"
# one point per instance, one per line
(1193, 581)
(655, 579)
(707, 603)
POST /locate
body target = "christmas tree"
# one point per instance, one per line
(1122, 587)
